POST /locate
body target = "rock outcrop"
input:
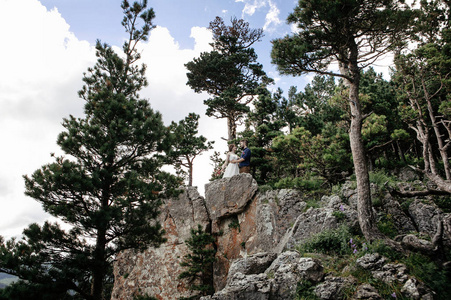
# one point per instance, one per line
(256, 234)
(278, 281)
(155, 271)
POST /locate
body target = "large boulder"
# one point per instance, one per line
(246, 222)
(278, 282)
(316, 220)
(155, 271)
(425, 216)
(332, 288)
(229, 196)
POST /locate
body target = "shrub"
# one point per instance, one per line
(384, 250)
(380, 178)
(424, 269)
(199, 263)
(329, 242)
(304, 291)
(386, 226)
(307, 184)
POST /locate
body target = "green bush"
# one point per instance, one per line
(339, 215)
(306, 184)
(329, 242)
(304, 291)
(384, 250)
(379, 178)
(198, 263)
(386, 226)
(424, 269)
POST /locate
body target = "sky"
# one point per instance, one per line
(48, 44)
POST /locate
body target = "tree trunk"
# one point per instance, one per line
(367, 220)
(366, 217)
(441, 145)
(98, 266)
(190, 173)
(231, 125)
(400, 152)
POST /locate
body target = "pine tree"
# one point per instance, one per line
(230, 73)
(108, 184)
(186, 145)
(353, 34)
(199, 263)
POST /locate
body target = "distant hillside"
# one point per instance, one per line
(6, 279)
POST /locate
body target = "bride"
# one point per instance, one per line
(231, 168)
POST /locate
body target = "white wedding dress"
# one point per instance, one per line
(232, 169)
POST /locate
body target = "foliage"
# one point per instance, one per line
(380, 247)
(313, 107)
(423, 83)
(199, 263)
(235, 224)
(263, 124)
(305, 184)
(427, 271)
(186, 145)
(353, 34)
(386, 226)
(108, 187)
(217, 166)
(299, 153)
(144, 297)
(304, 291)
(331, 242)
(229, 73)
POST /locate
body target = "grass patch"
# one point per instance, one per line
(424, 269)
(304, 291)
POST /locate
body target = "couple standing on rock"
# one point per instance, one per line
(234, 165)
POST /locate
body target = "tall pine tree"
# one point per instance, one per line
(230, 73)
(107, 186)
(353, 34)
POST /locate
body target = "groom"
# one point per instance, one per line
(245, 159)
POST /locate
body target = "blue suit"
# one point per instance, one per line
(246, 154)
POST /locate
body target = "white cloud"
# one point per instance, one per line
(169, 94)
(43, 63)
(250, 7)
(166, 73)
(272, 17)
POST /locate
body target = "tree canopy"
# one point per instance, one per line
(352, 34)
(229, 73)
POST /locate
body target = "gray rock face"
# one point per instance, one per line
(392, 273)
(399, 218)
(447, 230)
(313, 221)
(255, 234)
(289, 269)
(278, 282)
(254, 264)
(332, 287)
(244, 287)
(371, 261)
(256, 227)
(229, 196)
(367, 291)
(156, 270)
(425, 216)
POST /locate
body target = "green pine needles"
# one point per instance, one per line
(199, 263)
